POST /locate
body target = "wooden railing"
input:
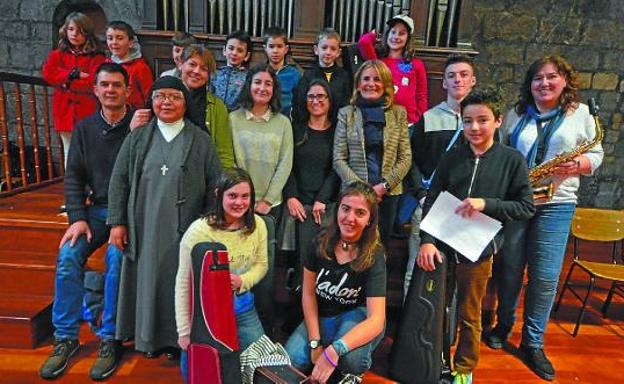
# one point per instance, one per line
(27, 148)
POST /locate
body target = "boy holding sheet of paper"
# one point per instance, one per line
(488, 177)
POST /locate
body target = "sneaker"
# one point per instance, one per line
(108, 358)
(462, 378)
(56, 363)
(497, 337)
(536, 359)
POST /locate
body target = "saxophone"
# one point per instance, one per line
(539, 175)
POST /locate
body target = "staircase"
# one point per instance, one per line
(30, 230)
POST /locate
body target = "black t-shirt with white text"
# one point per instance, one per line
(339, 288)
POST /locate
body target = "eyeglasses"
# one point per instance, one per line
(161, 97)
(318, 97)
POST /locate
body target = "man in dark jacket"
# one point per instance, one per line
(490, 178)
(95, 143)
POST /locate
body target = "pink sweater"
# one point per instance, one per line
(409, 79)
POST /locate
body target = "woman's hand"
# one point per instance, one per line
(470, 206)
(140, 118)
(318, 209)
(296, 209)
(380, 191)
(263, 207)
(569, 168)
(118, 236)
(236, 281)
(315, 354)
(427, 256)
(184, 342)
(323, 368)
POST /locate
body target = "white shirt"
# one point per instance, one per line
(170, 130)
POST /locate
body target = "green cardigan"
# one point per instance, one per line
(218, 125)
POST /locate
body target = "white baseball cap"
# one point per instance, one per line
(404, 19)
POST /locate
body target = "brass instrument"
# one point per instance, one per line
(542, 172)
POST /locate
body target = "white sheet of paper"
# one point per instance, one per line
(467, 235)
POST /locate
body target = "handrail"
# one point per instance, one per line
(23, 79)
(26, 162)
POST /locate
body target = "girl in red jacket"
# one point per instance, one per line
(70, 69)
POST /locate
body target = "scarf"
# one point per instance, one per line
(372, 110)
(549, 123)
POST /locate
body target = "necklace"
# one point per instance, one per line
(165, 157)
(113, 124)
(346, 245)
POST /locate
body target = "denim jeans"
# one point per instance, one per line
(356, 361)
(539, 244)
(249, 330)
(69, 285)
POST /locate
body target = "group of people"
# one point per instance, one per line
(200, 154)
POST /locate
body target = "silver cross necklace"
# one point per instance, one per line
(165, 157)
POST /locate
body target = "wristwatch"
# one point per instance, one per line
(314, 344)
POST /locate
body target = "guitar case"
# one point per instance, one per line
(417, 351)
(214, 355)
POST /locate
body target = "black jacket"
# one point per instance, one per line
(500, 176)
(340, 85)
(90, 162)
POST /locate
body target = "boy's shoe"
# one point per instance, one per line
(56, 363)
(109, 354)
(462, 378)
(536, 359)
(497, 337)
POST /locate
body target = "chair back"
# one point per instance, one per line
(598, 224)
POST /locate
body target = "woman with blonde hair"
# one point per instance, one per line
(371, 143)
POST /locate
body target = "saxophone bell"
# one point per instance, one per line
(543, 192)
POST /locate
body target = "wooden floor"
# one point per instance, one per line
(596, 355)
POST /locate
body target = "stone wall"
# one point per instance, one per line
(27, 31)
(510, 34)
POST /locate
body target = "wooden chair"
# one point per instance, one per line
(599, 225)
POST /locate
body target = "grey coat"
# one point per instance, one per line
(196, 181)
(200, 174)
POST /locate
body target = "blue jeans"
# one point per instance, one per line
(356, 361)
(249, 330)
(69, 285)
(540, 244)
